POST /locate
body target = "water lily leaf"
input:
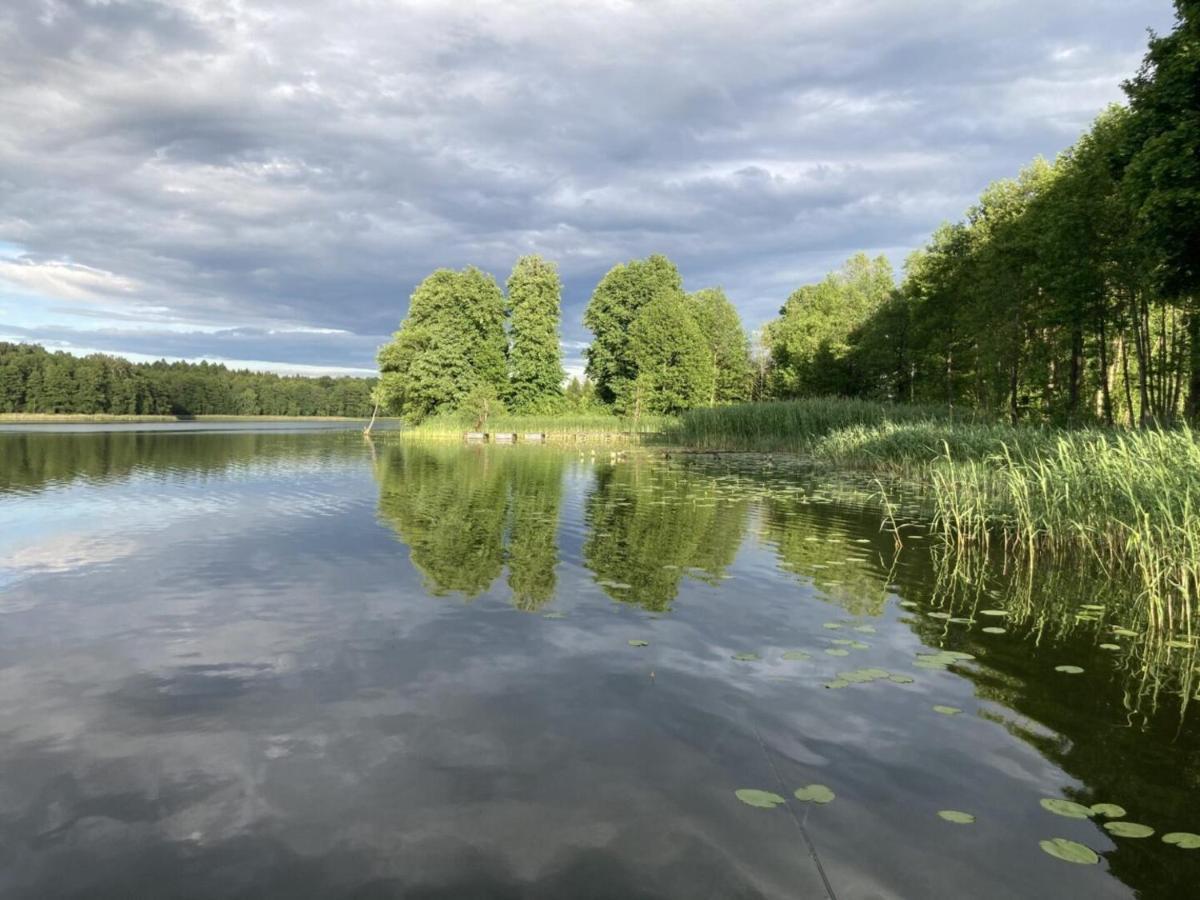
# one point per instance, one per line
(960, 620)
(554, 615)
(957, 817)
(837, 651)
(845, 642)
(939, 615)
(796, 655)
(634, 642)
(1124, 632)
(1069, 670)
(1181, 645)
(1070, 851)
(993, 612)
(992, 629)
(761, 799)
(931, 664)
(1128, 829)
(947, 710)
(747, 657)
(901, 679)
(1095, 607)
(958, 654)
(1184, 840)
(1110, 646)
(837, 683)
(1108, 810)
(909, 604)
(833, 626)
(814, 793)
(865, 629)
(1067, 808)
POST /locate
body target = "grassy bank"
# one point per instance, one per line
(1128, 499)
(84, 419)
(594, 426)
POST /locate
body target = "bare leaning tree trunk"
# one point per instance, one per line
(371, 424)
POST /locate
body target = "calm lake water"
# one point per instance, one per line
(294, 663)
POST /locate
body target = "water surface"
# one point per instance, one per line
(300, 664)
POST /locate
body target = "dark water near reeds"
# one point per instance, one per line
(298, 664)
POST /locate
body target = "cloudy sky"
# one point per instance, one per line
(265, 181)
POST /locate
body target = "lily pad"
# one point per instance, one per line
(837, 651)
(1070, 851)
(865, 629)
(957, 817)
(1067, 808)
(1123, 632)
(634, 642)
(909, 604)
(939, 615)
(1184, 840)
(993, 612)
(901, 679)
(814, 793)
(796, 655)
(930, 664)
(992, 629)
(747, 657)
(1110, 646)
(1128, 829)
(761, 799)
(1108, 810)
(833, 626)
(837, 684)
(947, 710)
(554, 615)
(1069, 670)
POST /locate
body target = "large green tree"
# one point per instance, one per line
(674, 367)
(451, 345)
(535, 355)
(727, 344)
(614, 305)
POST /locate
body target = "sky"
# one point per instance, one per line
(264, 182)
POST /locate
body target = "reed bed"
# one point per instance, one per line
(592, 426)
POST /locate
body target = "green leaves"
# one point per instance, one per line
(1069, 670)
(535, 356)
(815, 793)
(1069, 851)
(1184, 840)
(957, 817)
(759, 799)
(636, 642)
(947, 710)
(1065, 808)
(1108, 810)
(1128, 829)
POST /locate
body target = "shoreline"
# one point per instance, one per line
(105, 418)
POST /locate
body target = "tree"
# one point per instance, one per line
(727, 344)
(673, 364)
(614, 305)
(451, 342)
(535, 355)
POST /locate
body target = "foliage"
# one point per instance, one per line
(535, 357)
(33, 380)
(614, 306)
(727, 345)
(451, 343)
(674, 366)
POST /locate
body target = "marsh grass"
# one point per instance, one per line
(555, 427)
(1127, 500)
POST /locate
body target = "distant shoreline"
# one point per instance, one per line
(86, 419)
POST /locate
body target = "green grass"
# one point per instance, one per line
(1130, 500)
(556, 427)
(101, 418)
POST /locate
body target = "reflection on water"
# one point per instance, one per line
(227, 668)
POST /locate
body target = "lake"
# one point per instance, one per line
(292, 662)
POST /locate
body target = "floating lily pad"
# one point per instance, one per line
(909, 604)
(993, 612)
(796, 655)
(747, 657)
(1124, 632)
(947, 710)
(960, 620)
(859, 645)
(931, 664)
(638, 643)
(958, 654)
(1070, 851)
(837, 651)
(837, 684)
(1067, 808)
(1110, 646)
(761, 799)
(1184, 840)
(992, 629)
(1180, 645)
(865, 629)
(957, 817)
(833, 626)
(901, 679)
(1094, 607)
(814, 793)
(1069, 670)
(553, 615)
(1108, 810)
(845, 642)
(1128, 829)
(939, 615)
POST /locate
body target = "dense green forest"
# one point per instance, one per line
(33, 380)
(1068, 294)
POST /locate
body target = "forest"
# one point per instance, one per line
(34, 380)
(1069, 294)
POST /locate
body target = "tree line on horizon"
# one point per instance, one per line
(34, 380)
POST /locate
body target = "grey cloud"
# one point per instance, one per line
(274, 164)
